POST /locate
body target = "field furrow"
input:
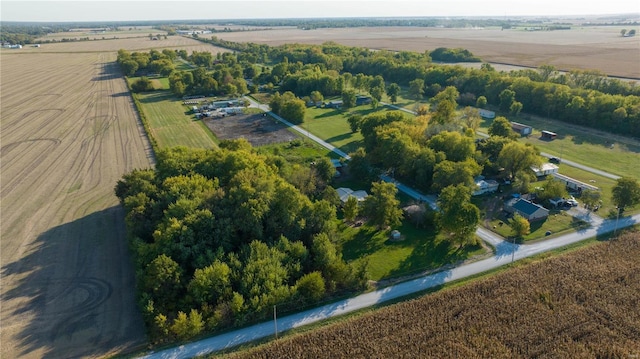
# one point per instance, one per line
(69, 132)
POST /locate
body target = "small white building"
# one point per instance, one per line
(486, 113)
(545, 169)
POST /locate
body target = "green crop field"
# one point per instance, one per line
(170, 123)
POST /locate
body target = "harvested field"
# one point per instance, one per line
(579, 305)
(598, 47)
(131, 44)
(69, 132)
(259, 130)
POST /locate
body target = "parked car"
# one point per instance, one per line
(555, 160)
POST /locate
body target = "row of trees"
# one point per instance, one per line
(587, 98)
(219, 237)
(211, 76)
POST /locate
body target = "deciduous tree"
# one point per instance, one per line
(458, 217)
(382, 207)
(520, 226)
(626, 192)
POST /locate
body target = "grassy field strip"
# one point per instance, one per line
(170, 123)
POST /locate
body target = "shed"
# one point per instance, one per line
(548, 135)
(545, 169)
(527, 209)
(363, 100)
(522, 129)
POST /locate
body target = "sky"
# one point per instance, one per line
(106, 10)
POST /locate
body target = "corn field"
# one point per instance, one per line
(585, 304)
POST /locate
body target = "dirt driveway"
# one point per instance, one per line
(258, 129)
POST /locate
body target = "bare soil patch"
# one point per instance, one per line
(598, 47)
(258, 129)
(69, 132)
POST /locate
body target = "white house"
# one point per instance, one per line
(545, 169)
(485, 186)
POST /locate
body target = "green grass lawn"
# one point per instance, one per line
(331, 125)
(305, 152)
(420, 250)
(170, 123)
(583, 146)
(558, 222)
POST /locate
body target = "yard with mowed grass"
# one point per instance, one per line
(331, 125)
(610, 153)
(420, 250)
(558, 222)
(170, 123)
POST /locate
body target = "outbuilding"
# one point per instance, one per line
(486, 113)
(548, 135)
(522, 129)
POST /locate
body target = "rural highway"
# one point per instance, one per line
(504, 253)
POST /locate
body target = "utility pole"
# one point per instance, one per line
(275, 321)
(615, 229)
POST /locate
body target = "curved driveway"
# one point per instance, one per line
(505, 253)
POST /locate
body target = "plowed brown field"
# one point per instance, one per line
(69, 132)
(598, 47)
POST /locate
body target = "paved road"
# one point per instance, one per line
(505, 252)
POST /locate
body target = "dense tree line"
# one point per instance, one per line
(587, 98)
(222, 75)
(220, 236)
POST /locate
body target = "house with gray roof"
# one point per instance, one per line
(527, 209)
